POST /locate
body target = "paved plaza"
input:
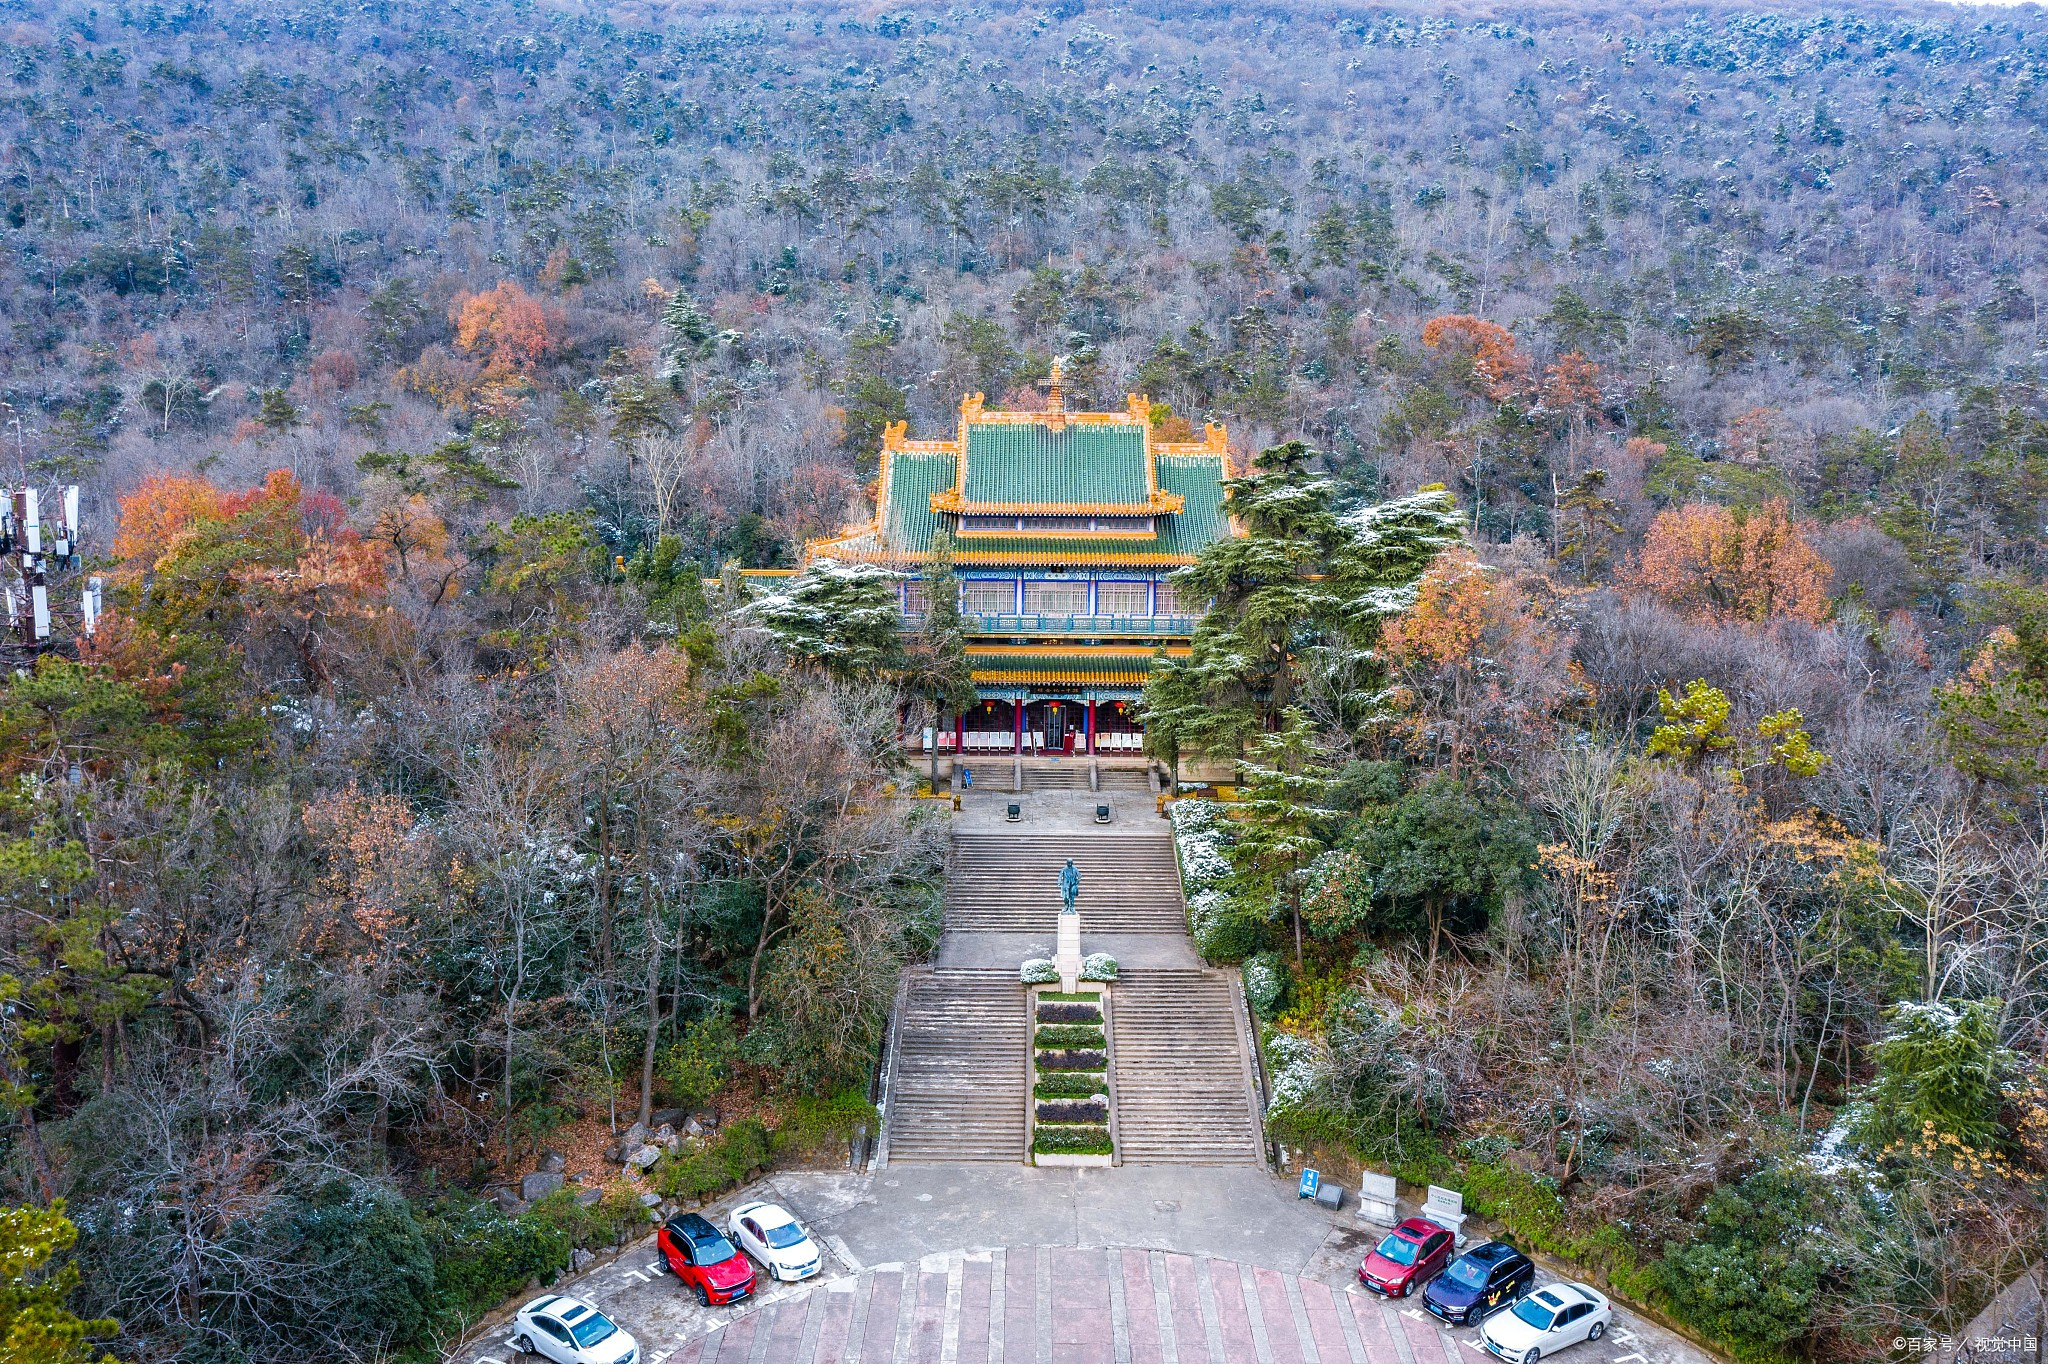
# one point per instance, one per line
(980, 1264)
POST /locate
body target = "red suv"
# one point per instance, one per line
(1407, 1258)
(698, 1254)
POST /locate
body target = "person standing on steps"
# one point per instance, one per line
(1070, 886)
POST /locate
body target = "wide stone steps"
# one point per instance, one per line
(1066, 777)
(1126, 779)
(1183, 1079)
(1010, 883)
(956, 1087)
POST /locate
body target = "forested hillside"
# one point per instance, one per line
(1666, 865)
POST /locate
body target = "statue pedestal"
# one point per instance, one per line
(1067, 959)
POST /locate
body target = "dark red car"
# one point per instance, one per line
(698, 1253)
(1407, 1258)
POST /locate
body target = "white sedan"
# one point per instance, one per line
(775, 1238)
(1546, 1321)
(571, 1331)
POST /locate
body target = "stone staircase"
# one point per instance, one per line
(1126, 779)
(1071, 775)
(1182, 1070)
(1010, 883)
(956, 1086)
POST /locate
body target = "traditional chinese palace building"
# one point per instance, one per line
(1065, 526)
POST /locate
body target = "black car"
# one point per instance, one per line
(1477, 1283)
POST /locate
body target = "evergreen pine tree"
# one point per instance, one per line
(690, 338)
(1303, 577)
(1995, 713)
(1279, 817)
(276, 411)
(841, 616)
(937, 667)
(1589, 523)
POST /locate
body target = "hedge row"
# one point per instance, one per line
(1071, 1085)
(1071, 1140)
(1068, 1035)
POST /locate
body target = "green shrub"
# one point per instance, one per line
(1071, 1085)
(1075, 1139)
(365, 1269)
(1527, 1204)
(1071, 1060)
(1265, 984)
(1530, 1208)
(738, 1151)
(1078, 997)
(1049, 1012)
(1068, 1035)
(482, 1257)
(1752, 1274)
(693, 1069)
(1228, 932)
(1413, 1155)
(604, 1223)
(812, 1120)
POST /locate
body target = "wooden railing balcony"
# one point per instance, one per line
(984, 623)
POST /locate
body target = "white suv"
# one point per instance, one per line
(571, 1331)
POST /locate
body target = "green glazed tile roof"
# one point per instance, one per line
(1075, 466)
(910, 521)
(1201, 522)
(913, 478)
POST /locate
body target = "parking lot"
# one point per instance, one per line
(1173, 1293)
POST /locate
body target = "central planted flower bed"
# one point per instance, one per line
(1070, 1086)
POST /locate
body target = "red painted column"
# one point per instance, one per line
(1017, 708)
(1088, 733)
(960, 731)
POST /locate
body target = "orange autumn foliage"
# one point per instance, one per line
(1571, 384)
(1719, 563)
(1482, 669)
(363, 906)
(160, 509)
(1499, 371)
(506, 326)
(1447, 623)
(268, 564)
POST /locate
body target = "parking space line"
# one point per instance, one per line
(949, 1324)
(998, 1305)
(846, 1257)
